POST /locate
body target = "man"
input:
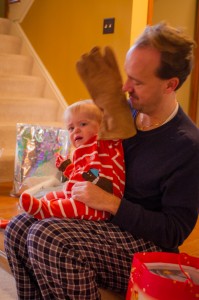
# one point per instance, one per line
(70, 259)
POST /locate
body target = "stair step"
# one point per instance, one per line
(21, 96)
(30, 86)
(10, 44)
(8, 133)
(15, 64)
(5, 25)
(28, 112)
(7, 166)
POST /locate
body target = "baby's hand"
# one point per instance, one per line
(59, 160)
(61, 163)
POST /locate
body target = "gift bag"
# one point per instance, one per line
(36, 147)
(163, 276)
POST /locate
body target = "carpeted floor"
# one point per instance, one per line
(7, 286)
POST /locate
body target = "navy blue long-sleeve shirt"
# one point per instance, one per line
(161, 199)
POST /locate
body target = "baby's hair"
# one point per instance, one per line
(86, 106)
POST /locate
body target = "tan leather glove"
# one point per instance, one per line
(101, 76)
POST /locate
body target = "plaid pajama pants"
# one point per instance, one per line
(69, 258)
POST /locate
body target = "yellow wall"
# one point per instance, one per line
(61, 31)
(178, 13)
(139, 18)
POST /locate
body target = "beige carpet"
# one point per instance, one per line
(7, 286)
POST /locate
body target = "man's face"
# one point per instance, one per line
(146, 91)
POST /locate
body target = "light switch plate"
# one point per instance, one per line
(108, 25)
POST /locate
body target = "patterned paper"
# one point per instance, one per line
(36, 147)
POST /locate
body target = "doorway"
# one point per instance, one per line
(188, 18)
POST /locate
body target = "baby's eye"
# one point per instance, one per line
(82, 124)
(70, 129)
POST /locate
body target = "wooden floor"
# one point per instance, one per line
(9, 208)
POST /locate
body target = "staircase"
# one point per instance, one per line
(27, 93)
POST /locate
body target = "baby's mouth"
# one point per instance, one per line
(78, 138)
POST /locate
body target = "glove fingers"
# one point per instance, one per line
(82, 65)
(110, 58)
(92, 69)
(96, 57)
(89, 61)
(94, 51)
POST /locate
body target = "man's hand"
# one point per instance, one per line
(95, 197)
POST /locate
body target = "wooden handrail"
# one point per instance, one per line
(194, 94)
(150, 12)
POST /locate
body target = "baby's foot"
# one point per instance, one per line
(30, 204)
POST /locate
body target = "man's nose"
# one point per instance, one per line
(127, 86)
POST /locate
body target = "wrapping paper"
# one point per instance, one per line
(163, 276)
(36, 147)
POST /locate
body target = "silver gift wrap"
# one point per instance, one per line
(36, 147)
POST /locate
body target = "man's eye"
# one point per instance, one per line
(137, 83)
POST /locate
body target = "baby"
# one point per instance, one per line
(98, 161)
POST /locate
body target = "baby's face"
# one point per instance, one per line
(81, 128)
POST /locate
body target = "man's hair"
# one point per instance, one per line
(175, 47)
(87, 107)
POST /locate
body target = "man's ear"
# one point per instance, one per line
(172, 84)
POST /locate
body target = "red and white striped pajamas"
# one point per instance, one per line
(102, 159)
